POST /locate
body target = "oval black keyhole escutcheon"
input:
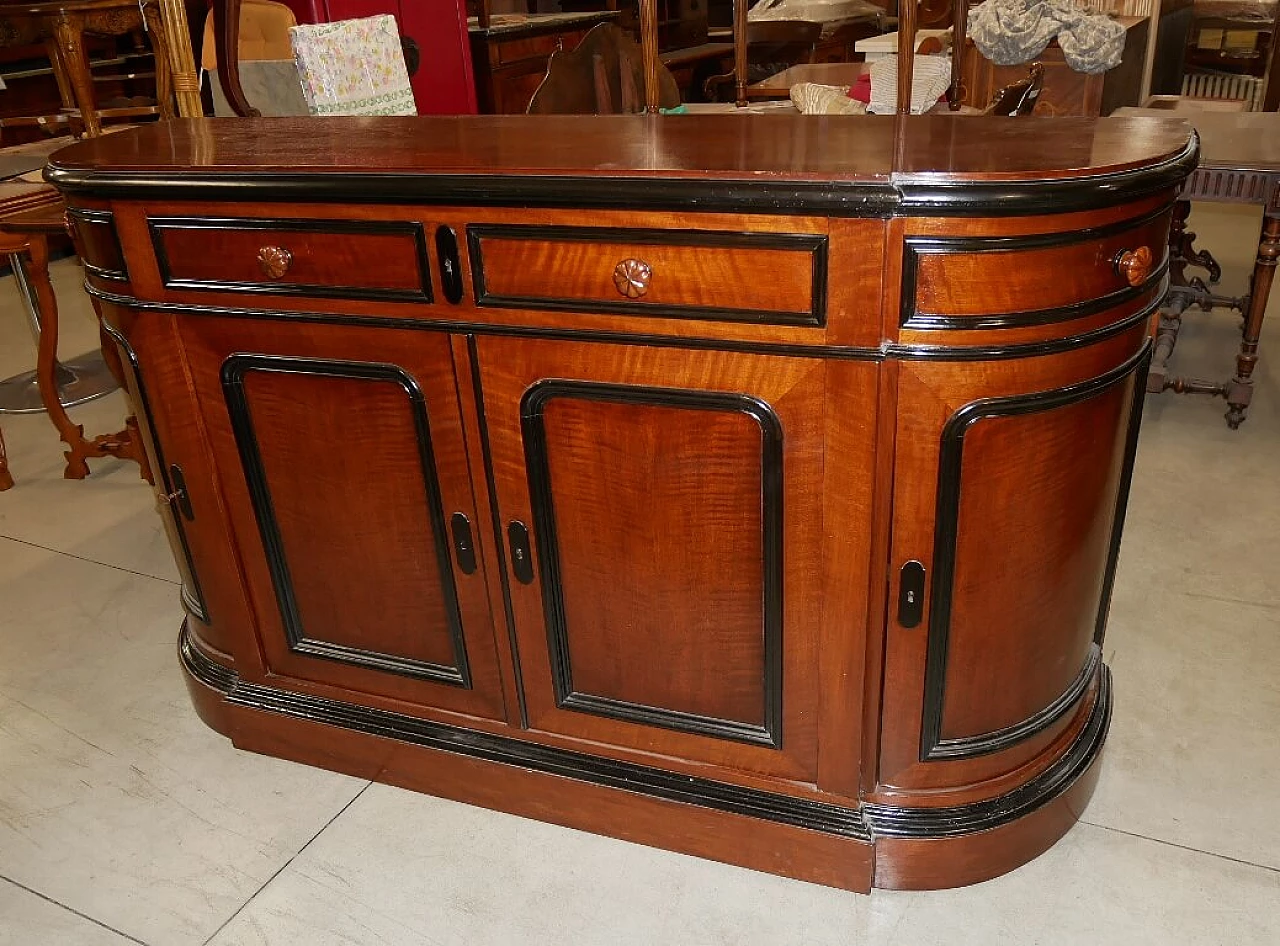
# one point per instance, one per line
(521, 559)
(450, 264)
(911, 594)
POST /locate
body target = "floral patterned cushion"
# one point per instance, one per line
(353, 67)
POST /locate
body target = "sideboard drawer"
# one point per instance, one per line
(771, 278)
(1010, 281)
(378, 260)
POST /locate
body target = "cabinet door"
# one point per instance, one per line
(1009, 490)
(342, 454)
(662, 510)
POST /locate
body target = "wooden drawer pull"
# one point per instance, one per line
(631, 277)
(1133, 265)
(274, 261)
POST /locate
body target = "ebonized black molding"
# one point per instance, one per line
(192, 598)
(626, 776)
(842, 352)
(861, 824)
(338, 228)
(234, 370)
(927, 194)
(905, 195)
(1122, 497)
(812, 244)
(101, 218)
(951, 456)
(541, 495)
(952, 821)
(917, 246)
(499, 544)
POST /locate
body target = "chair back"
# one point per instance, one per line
(604, 75)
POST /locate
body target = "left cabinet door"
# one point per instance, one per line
(341, 454)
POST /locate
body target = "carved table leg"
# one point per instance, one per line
(6, 479)
(68, 32)
(1182, 251)
(164, 69)
(1240, 388)
(72, 434)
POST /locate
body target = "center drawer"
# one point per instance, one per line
(766, 278)
(334, 259)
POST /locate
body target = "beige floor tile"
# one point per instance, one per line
(404, 869)
(1191, 757)
(28, 920)
(1099, 887)
(115, 799)
(109, 516)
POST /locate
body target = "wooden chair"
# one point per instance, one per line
(603, 76)
(1019, 98)
(772, 46)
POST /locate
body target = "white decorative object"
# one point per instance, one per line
(353, 67)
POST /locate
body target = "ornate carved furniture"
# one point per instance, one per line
(1240, 164)
(26, 234)
(69, 20)
(747, 487)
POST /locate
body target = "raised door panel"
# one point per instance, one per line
(666, 598)
(1010, 491)
(360, 549)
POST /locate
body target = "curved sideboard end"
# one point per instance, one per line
(690, 484)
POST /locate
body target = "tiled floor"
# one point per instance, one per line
(124, 820)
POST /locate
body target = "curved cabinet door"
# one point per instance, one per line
(343, 458)
(662, 516)
(1010, 488)
(189, 504)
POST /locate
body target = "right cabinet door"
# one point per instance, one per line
(662, 516)
(1009, 494)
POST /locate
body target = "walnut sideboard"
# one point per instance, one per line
(748, 487)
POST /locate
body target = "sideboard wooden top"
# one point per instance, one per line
(848, 159)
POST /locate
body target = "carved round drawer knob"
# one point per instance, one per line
(1134, 265)
(274, 261)
(631, 277)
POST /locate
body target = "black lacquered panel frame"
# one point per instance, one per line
(813, 244)
(234, 370)
(543, 506)
(337, 228)
(933, 747)
(916, 247)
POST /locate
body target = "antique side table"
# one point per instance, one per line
(1239, 164)
(67, 21)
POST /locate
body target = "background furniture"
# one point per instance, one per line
(748, 486)
(510, 56)
(68, 21)
(604, 75)
(1239, 164)
(1066, 92)
(82, 378)
(27, 233)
